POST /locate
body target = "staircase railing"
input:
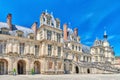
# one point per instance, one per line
(100, 66)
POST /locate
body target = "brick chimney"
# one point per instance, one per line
(65, 32)
(9, 20)
(34, 27)
(76, 31)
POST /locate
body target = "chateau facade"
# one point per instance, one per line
(51, 50)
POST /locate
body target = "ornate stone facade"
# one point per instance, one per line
(49, 50)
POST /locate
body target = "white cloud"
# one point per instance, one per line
(86, 37)
(88, 42)
(111, 37)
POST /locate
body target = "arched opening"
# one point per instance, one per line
(88, 71)
(37, 67)
(3, 66)
(77, 69)
(21, 67)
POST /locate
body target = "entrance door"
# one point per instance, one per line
(21, 67)
(77, 69)
(88, 71)
(1, 67)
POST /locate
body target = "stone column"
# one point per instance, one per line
(73, 68)
(10, 66)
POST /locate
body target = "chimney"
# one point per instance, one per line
(76, 31)
(9, 20)
(34, 27)
(65, 32)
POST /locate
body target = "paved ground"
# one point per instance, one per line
(63, 77)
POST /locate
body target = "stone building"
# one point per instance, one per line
(47, 49)
(117, 61)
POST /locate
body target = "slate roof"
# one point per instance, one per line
(85, 49)
(4, 25)
(15, 28)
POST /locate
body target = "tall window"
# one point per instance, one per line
(72, 47)
(58, 37)
(59, 51)
(49, 34)
(66, 55)
(79, 48)
(2, 48)
(96, 58)
(36, 50)
(49, 50)
(21, 48)
(84, 58)
(76, 48)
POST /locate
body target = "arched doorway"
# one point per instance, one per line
(21, 67)
(88, 71)
(3, 66)
(77, 69)
(37, 67)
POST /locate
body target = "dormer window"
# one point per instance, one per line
(4, 31)
(57, 23)
(49, 35)
(19, 33)
(31, 36)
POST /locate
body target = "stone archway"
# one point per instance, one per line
(3, 66)
(88, 71)
(21, 67)
(77, 69)
(37, 67)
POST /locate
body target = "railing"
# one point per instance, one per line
(100, 66)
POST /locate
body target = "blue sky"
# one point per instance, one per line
(91, 17)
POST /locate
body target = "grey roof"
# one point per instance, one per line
(85, 49)
(15, 28)
(4, 25)
(71, 36)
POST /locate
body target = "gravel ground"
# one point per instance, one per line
(63, 77)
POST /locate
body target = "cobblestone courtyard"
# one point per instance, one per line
(63, 77)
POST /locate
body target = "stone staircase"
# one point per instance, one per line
(98, 65)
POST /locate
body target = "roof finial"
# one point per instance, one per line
(105, 35)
